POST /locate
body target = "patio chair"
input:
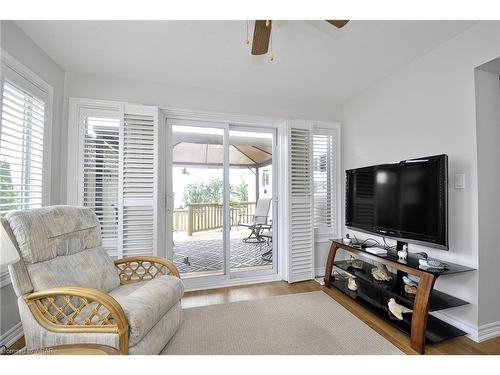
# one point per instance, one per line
(259, 222)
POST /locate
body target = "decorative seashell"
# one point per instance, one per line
(357, 263)
(409, 281)
(351, 284)
(410, 289)
(340, 276)
(380, 273)
(397, 310)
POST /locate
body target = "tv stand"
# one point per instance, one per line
(374, 295)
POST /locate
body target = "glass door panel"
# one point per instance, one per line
(198, 200)
(251, 199)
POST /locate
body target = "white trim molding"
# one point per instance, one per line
(472, 330)
(12, 335)
(489, 331)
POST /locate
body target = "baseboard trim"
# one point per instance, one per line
(489, 331)
(12, 335)
(319, 271)
(472, 331)
(196, 284)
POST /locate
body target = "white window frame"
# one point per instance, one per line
(329, 128)
(17, 73)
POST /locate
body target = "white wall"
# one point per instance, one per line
(488, 159)
(424, 109)
(21, 47)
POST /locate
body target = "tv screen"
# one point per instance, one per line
(406, 200)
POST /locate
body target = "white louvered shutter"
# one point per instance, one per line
(138, 194)
(301, 241)
(100, 172)
(21, 149)
(325, 192)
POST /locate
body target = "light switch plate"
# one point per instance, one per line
(459, 181)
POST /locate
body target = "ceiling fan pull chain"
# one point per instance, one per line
(270, 54)
(247, 41)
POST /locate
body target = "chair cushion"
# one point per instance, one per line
(44, 233)
(145, 303)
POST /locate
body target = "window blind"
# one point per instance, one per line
(324, 184)
(21, 149)
(101, 140)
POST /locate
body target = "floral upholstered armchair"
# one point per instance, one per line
(69, 290)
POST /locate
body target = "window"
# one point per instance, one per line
(325, 182)
(21, 148)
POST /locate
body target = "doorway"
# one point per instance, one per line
(223, 199)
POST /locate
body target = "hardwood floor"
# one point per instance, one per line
(461, 345)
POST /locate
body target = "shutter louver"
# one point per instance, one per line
(101, 141)
(21, 149)
(301, 261)
(139, 232)
(325, 222)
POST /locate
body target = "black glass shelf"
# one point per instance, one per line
(375, 299)
(395, 288)
(412, 261)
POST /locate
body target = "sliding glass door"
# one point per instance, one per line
(251, 203)
(222, 199)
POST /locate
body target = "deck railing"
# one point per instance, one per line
(199, 217)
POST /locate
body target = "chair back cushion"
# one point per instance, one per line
(61, 246)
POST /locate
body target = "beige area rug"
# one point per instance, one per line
(305, 323)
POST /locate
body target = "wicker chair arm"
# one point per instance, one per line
(79, 310)
(141, 268)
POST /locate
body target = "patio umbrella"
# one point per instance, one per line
(193, 149)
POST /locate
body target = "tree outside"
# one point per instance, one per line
(7, 193)
(212, 191)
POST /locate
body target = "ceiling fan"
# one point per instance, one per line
(262, 34)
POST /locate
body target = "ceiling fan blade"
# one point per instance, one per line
(338, 23)
(261, 37)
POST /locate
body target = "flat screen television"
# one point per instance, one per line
(406, 201)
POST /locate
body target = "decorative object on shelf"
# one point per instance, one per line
(380, 273)
(351, 284)
(432, 263)
(410, 289)
(426, 262)
(347, 240)
(410, 282)
(397, 310)
(339, 276)
(403, 254)
(356, 263)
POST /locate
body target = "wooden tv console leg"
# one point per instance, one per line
(421, 311)
(329, 264)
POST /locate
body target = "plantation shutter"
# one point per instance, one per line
(325, 197)
(21, 147)
(138, 182)
(100, 173)
(301, 241)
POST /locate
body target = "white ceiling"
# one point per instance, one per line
(314, 60)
